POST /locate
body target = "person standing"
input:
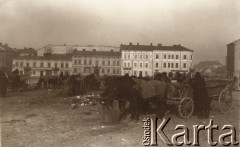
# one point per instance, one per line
(200, 96)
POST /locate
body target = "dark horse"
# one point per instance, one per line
(130, 89)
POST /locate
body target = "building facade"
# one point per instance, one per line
(233, 60)
(98, 62)
(36, 66)
(146, 60)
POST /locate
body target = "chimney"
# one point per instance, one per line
(137, 43)
(25, 48)
(130, 43)
(6, 44)
(151, 44)
(159, 44)
(64, 44)
(0, 43)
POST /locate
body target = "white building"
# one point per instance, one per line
(68, 49)
(99, 62)
(145, 60)
(233, 60)
(36, 66)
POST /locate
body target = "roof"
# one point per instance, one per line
(234, 42)
(46, 57)
(97, 53)
(5, 47)
(152, 48)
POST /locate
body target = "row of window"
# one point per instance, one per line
(97, 63)
(49, 64)
(157, 56)
(103, 70)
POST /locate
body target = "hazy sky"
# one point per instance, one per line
(205, 26)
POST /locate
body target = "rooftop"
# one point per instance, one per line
(152, 48)
(97, 54)
(47, 57)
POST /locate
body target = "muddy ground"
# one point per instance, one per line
(44, 118)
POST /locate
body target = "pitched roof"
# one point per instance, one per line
(97, 54)
(234, 42)
(152, 48)
(57, 57)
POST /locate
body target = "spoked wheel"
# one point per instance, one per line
(186, 107)
(225, 101)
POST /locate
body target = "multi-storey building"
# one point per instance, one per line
(233, 60)
(145, 60)
(43, 65)
(99, 62)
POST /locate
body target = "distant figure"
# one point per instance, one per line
(200, 96)
(15, 80)
(4, 83)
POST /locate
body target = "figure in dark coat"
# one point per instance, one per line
(200, 96)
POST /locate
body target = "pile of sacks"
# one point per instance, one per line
(84, 100)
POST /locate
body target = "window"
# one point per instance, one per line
(114, 71)
(146, 73)
(41, 64)
(118, 71)
(135, 73)
(125, 64)
(108, 71)
(34, 73)
(135, 56)
(169, 65)
(62, 65)
(109, 62)
(146, 56)
(156, 65)
(103, 62)
(169, 56)
(157, 56)
(85, 61)
(49, 64)
(172, 56)
(90, 62)
(140, 65)
(125, 56)
(176, 65)
(66, 65)
(103, 71)
(172, 65)
(176, 56)
(128, 56)
(96, 62)
(128, 64)
(75, 69)
(184, 65)
(16, 63)
(34, 64)
(146, 65)
(114, 63)
(135, 64)
(184, 57)
(165, 56)
(21, 64)
(141, 56)
(55, 65)
(75, 61)
(27, 64)
(79, 61)
(164, 65)
(117, 63)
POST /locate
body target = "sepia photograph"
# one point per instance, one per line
(119, 73)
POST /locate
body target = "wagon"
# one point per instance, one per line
(218, 90)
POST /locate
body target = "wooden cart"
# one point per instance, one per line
(218, 90)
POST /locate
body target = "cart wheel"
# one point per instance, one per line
(225, 101)
(186, 107)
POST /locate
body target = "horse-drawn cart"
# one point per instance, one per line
(218, 90)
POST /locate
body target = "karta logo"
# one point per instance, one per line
(152, 132)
